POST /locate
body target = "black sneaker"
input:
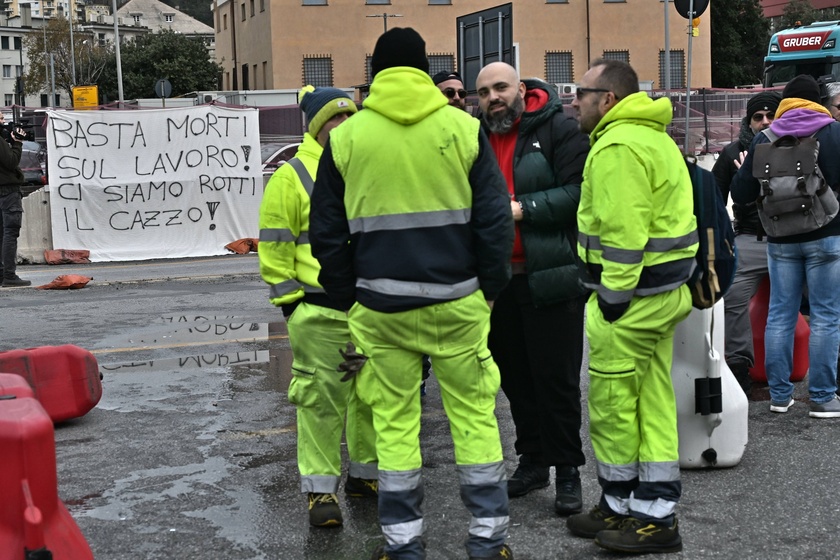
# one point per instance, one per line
(324, 510)
(641, 537)
(15, 281)
(361, 487)
(587, 525)
(568, 499)
(741, 372)
(504, 554)
(527, 477)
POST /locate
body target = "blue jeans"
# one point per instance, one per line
(793, 265)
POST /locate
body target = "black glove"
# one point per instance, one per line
(612, 311)
(353, 362)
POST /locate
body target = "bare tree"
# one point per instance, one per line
(90, 57)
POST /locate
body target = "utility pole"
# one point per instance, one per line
(385, 18)
(117, 52)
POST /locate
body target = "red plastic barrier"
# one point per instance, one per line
(32, 518)
(65, 378)
(759, 306)
(13, 385)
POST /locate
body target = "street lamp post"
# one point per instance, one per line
(72, 49)
(117, 52)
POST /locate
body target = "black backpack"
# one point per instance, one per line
(716, 255)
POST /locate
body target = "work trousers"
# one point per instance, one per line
(316, 334)
(632, 408)
(539, 351)
(752, 269)
(11, 218)
(454, 335)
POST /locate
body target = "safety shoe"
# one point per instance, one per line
(15, 281)
(640, 537)
(324, 510)
(380, 554)
(361, 487)
(568, 499)
(527, 477)
(830, 409)
(504, 554)
(780, 406)
(587, 525)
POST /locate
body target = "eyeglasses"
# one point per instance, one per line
(451, 92)
(581, 91)
(757, 117)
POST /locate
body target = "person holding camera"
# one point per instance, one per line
(11, 207)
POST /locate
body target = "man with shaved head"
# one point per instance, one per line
(536, 327)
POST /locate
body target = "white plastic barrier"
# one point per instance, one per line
(712, 410)
(36, 231)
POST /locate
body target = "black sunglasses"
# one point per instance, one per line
(451, 92)
(581, 91)
(756, 117)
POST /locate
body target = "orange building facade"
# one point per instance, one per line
(278, 44)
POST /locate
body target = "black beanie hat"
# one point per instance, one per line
(446, 75)
(399, 47)
(764, 101)
(804, 87)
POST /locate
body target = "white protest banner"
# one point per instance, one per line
(158, 183)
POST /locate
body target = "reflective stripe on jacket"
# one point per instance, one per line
(286, 261)
(412, 185)
(637, 230)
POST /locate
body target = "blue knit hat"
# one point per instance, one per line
(320, 104)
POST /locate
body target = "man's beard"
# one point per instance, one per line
(502, 122)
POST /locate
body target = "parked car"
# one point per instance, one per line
(33, 163)
(276, 153)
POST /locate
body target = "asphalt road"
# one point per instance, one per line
(191, 451)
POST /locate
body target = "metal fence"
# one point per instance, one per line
(714, 116)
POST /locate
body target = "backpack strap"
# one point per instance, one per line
(303, 175)
(772, 136)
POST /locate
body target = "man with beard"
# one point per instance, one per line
(536, 328)
(637, 241)
(750, 239)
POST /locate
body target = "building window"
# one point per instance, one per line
(441, 63)
(615, 1)
(623, 56)
(136, 18)
(556, 1)
(677, 69)
(224, 20)
(18, 44)
(253, 8)
(4, 43)
(169, 18)
(440, 2)
(265, 74)
(558, 67)
(314, 2)
(18, 71)
(243, 12)
(7, 70)
(262, 5)
(101, 39)
(317, 71)
(377, 1)
(10, 99)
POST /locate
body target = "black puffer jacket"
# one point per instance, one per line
(11, 177)
(547, 172)
(746, 215)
